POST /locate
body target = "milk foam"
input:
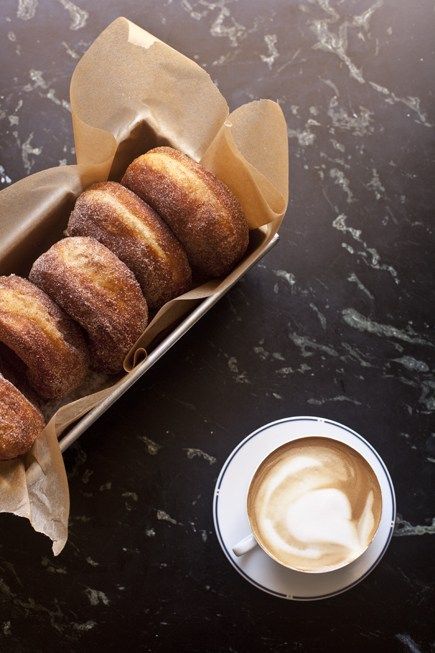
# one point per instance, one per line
(315, 504)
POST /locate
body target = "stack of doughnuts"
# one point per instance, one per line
(129, 249)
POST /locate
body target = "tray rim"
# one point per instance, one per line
(79, 427)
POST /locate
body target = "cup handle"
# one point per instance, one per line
(245, 545)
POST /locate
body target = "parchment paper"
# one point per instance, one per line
(131, 92)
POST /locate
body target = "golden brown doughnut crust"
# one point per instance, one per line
(20, 422)
(201, 210)
(42, 335)
(99, 291)
(133, 231)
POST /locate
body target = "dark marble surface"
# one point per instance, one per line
(336, 321)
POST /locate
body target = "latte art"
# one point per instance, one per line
(315, 504)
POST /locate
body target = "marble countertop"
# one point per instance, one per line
(335, 321)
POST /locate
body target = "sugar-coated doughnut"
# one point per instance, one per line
(20, 421)
(99, 291)
(43, 336)
(133, 231)
(201, 211)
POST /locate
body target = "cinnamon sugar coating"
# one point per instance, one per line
(20, 422)
(133, 231)
(43, 337)
(98, 291)
(201, 211)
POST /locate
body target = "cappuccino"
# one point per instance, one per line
(314, 504)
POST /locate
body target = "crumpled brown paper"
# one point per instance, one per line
(130, 92)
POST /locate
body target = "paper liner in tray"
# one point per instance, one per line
(131, 92)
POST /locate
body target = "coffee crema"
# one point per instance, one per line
(314, 504)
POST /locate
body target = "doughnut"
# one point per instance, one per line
(98, 291)
(201, 210)
(133, 231)
(50, 345)
(20, 422)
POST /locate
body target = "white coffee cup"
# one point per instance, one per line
(314, 505)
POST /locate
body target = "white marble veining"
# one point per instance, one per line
(96, 597)
(151, 446)
(360, 322)
(198, 453)
(163, 516)
(78, 16)
(353, 278)
(369, 255)
(272, 50)
(26, 9)
(405, 529)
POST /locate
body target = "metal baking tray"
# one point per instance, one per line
(75, 431)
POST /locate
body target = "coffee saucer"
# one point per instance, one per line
(231, 521)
